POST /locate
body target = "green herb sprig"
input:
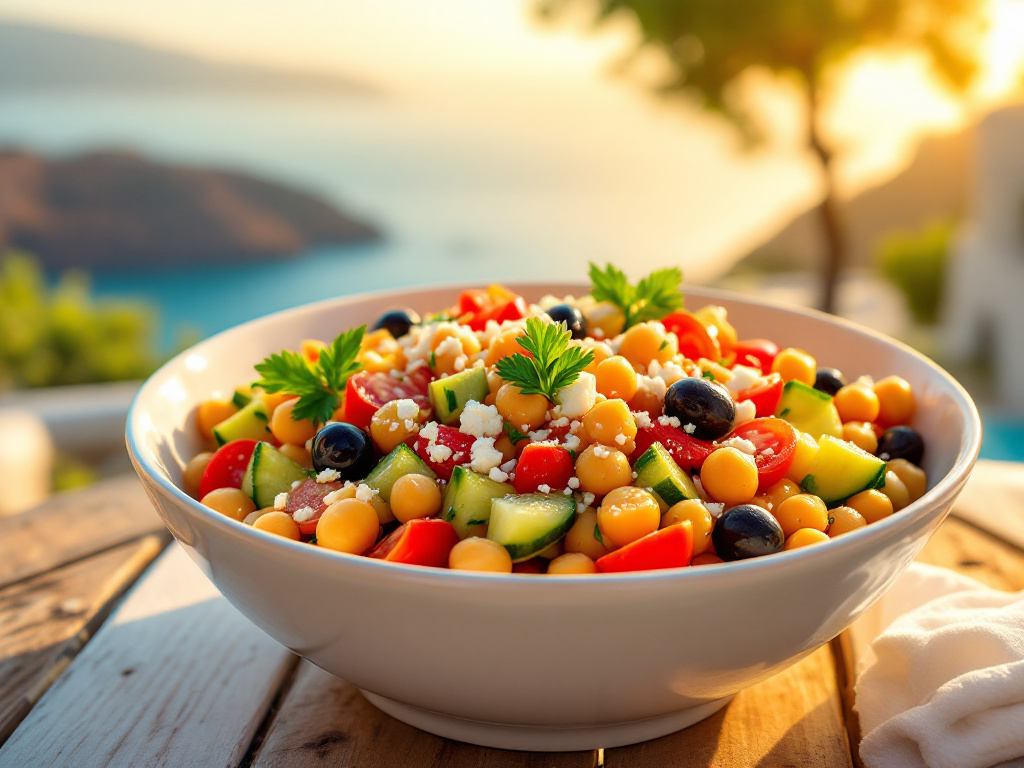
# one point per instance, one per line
(654, 297)
(554, 363)
(317, 385)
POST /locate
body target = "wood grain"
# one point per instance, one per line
(45, 621)
(793, 719)
(74, 525)
(175, 677)
(325, 721)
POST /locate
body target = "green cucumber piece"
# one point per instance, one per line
(269, 473)
(527, 524)
(250, 423)
(450, 394)
(810, 410)
(467, 501)
(242, 396)
(840, 469)
(657, 470)
(401, 461)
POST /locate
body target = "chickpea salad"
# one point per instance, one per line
(612, 432)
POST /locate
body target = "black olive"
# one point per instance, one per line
(900, 443)
(707, 406)
(397, 321)
(572, 317)
(343, 447)
(746, 531)
(829, 380)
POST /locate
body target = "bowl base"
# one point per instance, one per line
(545, 739)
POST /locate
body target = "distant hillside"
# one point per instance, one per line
(119, 211)
(933, 187)
(35, 57)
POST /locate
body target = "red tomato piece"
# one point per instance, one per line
(418, 542)
(227, 466)
(688, 452)
(759, 353)
(670, 547)
(765, 394)
(541, 464)
(451, 438)
(775, 441)
(310, 494)
(366, 392)
(694, 340)
(472, 301)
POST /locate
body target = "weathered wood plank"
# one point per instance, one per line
(992, 500)
(74, 525)
(45, 621)
(326, 721)
(176, 677)
(793, 719)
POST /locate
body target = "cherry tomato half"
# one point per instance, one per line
(670, 547)
(688, 452)
(476, 306)
(310, 494)
(227, 466)
(538, 464)
(775, 441)
(418, 542)
(764, 394)
(694, 340)
(366, 392)
(459, 443)
(759, 353)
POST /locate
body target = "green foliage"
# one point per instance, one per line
(61, 335)
(915, 262)
(654, 297)
(554, 363)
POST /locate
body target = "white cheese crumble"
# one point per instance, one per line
(769, 451)
(601, 452)
(302, 515)
(480, 420)
(571, 442)
(653, 386)
(620, 439)
(296, 484)
(328, 475)
(670, 372)
(579, 397)
(574, 483)
(745, 411)
(365, 493)
(642, 419)
(567, 492)
(743, 377)
(671, 421)
(588, 498)
(715, 509)
(406, 409)
(508, 466)
(740, 444)
(429, 431)
(450, 346)
(497, 475)
(561, 422)
(689, 428)
(438, 453)
(484, 456)
(281, 500)
(393, 427)
(544, 488)
(539, 436)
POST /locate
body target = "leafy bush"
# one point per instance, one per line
(62, 335)
(915, 262)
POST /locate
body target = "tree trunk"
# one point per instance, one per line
(828, 210)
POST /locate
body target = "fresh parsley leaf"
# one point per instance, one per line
(708, 375)
(514, 434)
(654, 297)
(554, 363)
(597, 534)
(317, 385)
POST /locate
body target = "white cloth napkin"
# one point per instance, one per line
(942, 684)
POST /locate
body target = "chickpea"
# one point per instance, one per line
(873, 505)
(524, 412)
(843, 520)
(805, 537)
(856, 402)
(862, 434)
(272, 400)
(627, 514)
(610, 423)
(601, 352)
(782, 490)
(468, 340)
(616, 378)
(230, 502)
(476, 554)
(571, 563)
(729, 476)
(379, 352)
(504, 444)
(278, 523)
(581, 539)
(647, 400)
(696, 514)
(298, 454)
(895, 401)
(505, 344)
(896, 491)
(289, 430)
(913, 477)
(388, 429)
(602, 469)
(415, 496)
(707, 558)
(805, 510)
(211, 413)
(193, 474)
(349, 526)
(604, 319)
(795, 365)
(551, 551)
(646, 342)
(803, 456)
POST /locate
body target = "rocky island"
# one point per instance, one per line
(118, 210)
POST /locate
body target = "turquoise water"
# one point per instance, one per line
(1003, 438)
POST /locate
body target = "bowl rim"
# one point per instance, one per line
(934, 498)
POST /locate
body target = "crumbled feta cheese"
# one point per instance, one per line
(429, 431)
(635, 475)
(560, 422)
(460, 363)
(450, 346)
(539, 436)
(601, 452)
(883, 456)
(484, 455)
(670, 372)
(328, 475)
(281, 501)
(745, 411)
(302, 515)
(410, 425)
(338, 495)
(497, 475)
(438, 453)
(296, 484)
(743, 377)
(574, 426)
(768, 451)
(365, 493)
(620, 439)
(588, 498)
(544, 488)
(715, 509)
(406, 409)
(670, 421)
(652, 386)
(698, 486)
(508, 466)
(567, 492)
(574, 483)
(393, 427)
(739, 444)
(580, 507)
(571, 442)
(480, 420)
(642, 419)
(579, 397)
(689, 428)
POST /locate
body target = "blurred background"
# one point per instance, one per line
(172, 168)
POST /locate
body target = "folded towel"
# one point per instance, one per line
(942, 683)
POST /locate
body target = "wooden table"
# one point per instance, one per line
(116, 650)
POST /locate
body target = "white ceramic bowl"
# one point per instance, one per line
(520, 662)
